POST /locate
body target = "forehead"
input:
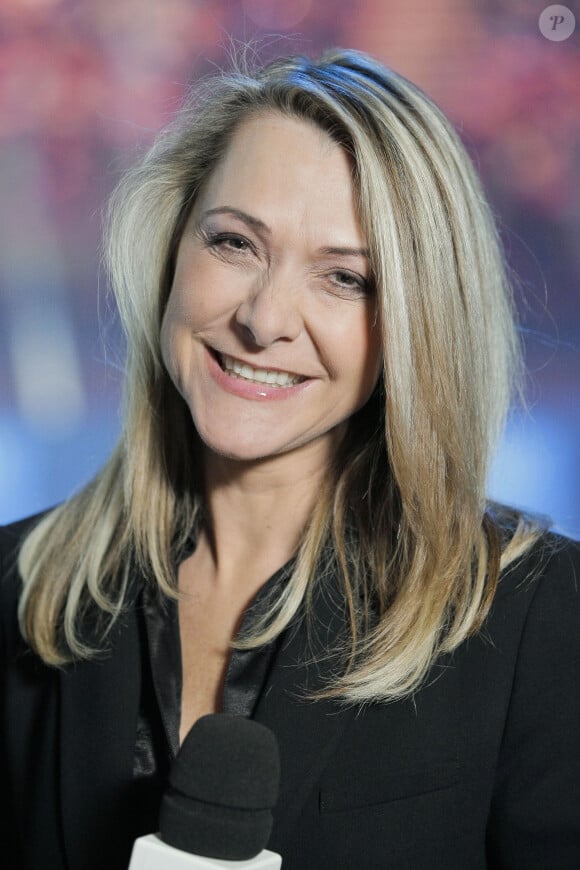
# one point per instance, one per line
(277, 165)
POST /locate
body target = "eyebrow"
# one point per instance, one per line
(254, 222)
(347, 252)
(259, 225)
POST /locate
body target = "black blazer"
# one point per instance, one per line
(481, 769)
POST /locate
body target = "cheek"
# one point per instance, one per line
(188, 298)
(358, 350)
(176, 329)
(180, 310)
(187, 311)
(202, 298)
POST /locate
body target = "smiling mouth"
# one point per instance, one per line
(235, 368)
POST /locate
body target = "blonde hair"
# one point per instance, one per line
(404, 513)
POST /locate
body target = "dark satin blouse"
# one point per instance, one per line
(157, 740)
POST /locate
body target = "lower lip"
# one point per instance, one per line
(251, 389)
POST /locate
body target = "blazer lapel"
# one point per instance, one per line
(100, 701)
(308, 732)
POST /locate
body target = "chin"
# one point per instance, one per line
(243, 457)
(239, 449)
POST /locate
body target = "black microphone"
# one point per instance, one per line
(217, 810)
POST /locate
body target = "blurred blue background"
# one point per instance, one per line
(84, 86)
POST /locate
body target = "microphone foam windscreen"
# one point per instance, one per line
(223, 785)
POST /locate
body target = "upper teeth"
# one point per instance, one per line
(264, 376)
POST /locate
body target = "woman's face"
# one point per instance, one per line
(269, 333)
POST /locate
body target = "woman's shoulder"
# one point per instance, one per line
(12, 537)
(531, 553)
(535, 629)
(551, 561)
(12, 534)
(536, 609)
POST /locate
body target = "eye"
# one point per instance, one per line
(231, 242)
(350, 282)
(237, 243)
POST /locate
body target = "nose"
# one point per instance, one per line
(271, 311)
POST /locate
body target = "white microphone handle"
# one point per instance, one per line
(151, 853)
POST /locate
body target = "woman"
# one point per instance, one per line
(294, 526)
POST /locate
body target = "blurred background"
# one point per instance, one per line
(84, 86)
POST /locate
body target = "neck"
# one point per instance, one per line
(257, 511)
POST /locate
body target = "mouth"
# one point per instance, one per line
(237, 368)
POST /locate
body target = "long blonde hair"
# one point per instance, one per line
(404, 512)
